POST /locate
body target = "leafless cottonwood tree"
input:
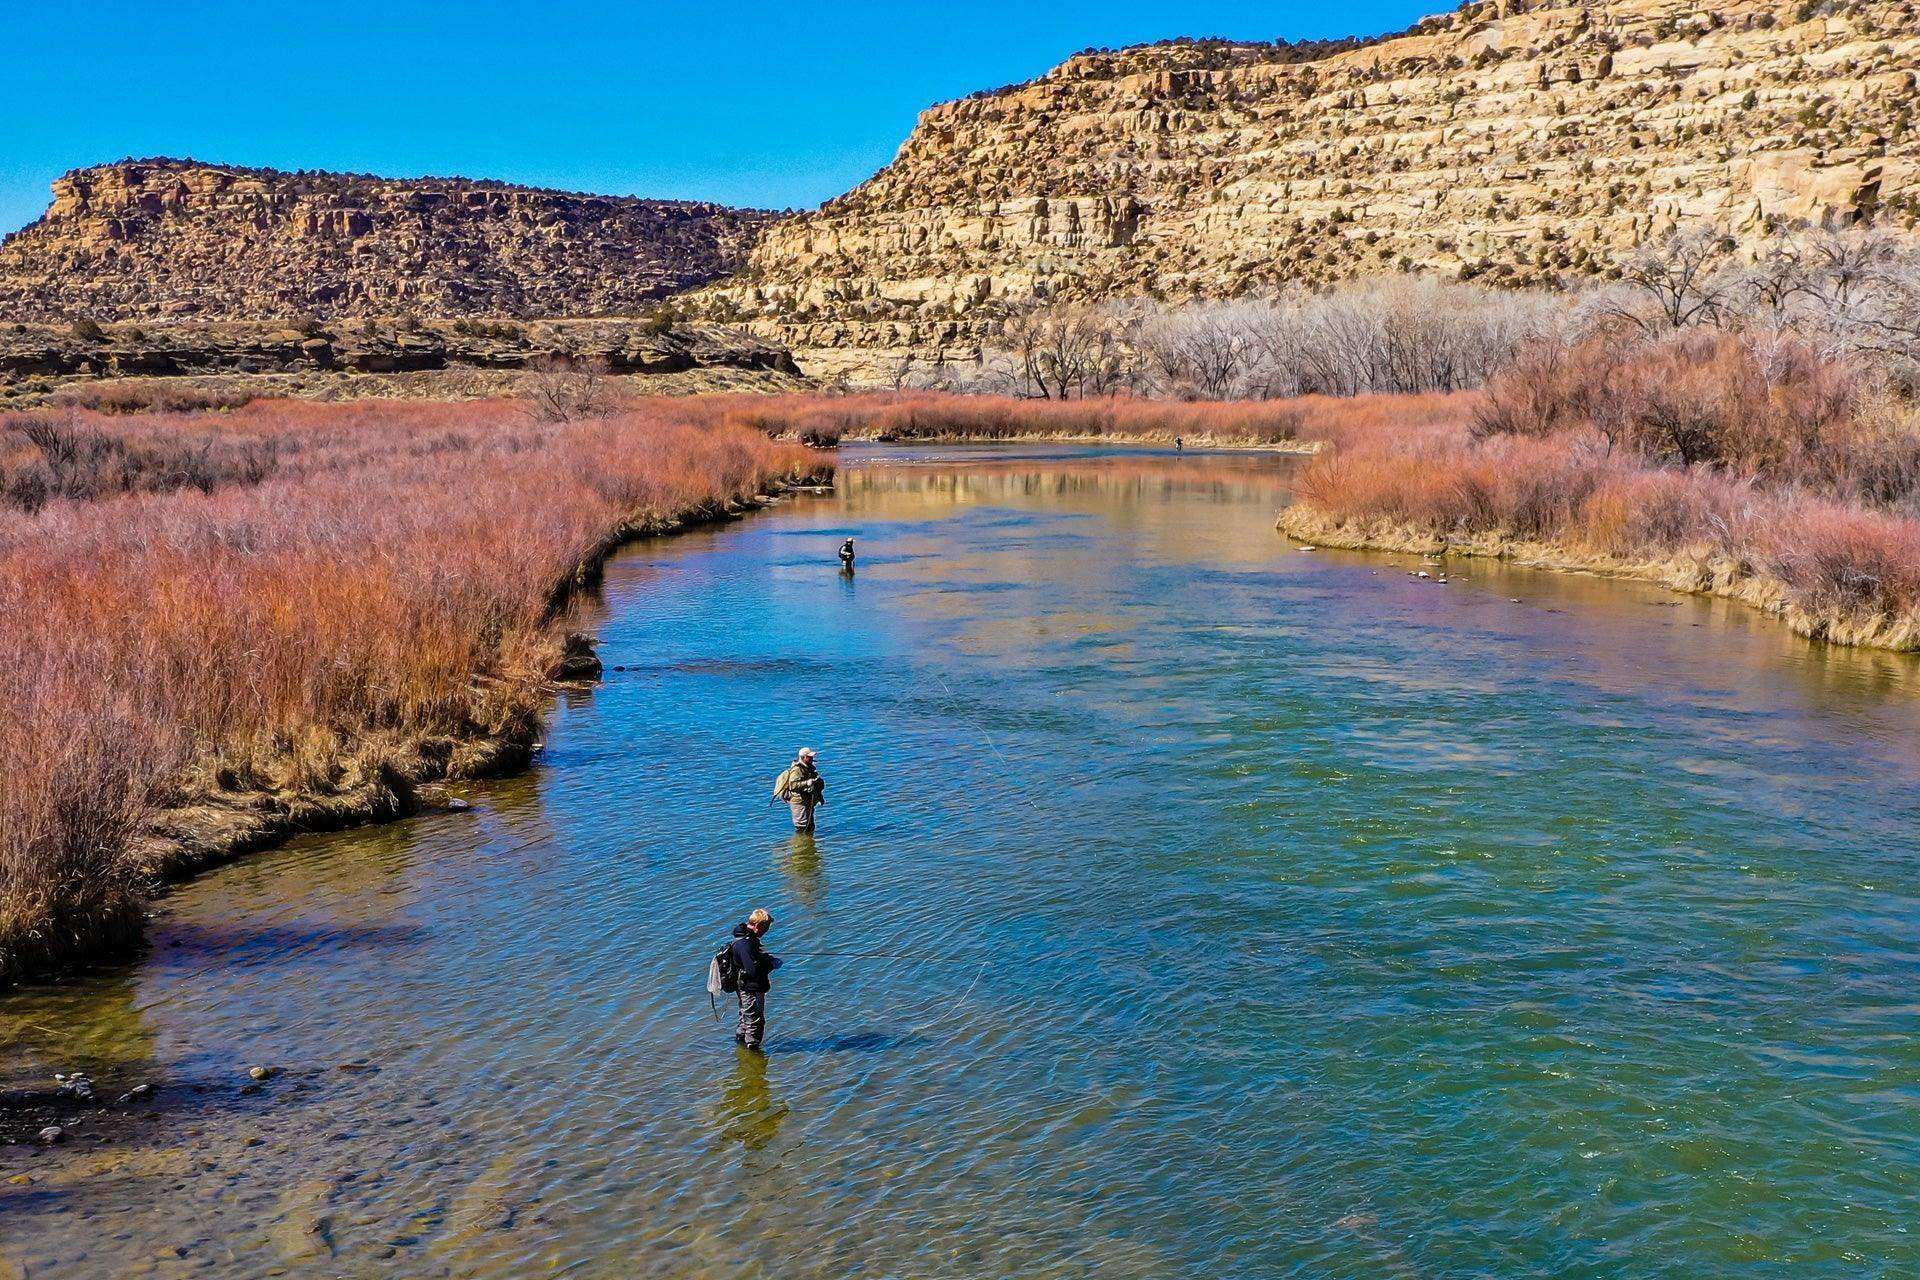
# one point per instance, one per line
(1205, 351)
(1851, 292)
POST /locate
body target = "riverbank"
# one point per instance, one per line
(298, 618)
(1142, 439)
(381, 779)
(1694, 571)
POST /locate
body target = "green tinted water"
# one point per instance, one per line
(1283, 915)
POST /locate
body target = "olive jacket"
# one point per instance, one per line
(800, 782)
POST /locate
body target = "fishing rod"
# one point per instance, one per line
(870, 955)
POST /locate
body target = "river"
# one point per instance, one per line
(1243, 911)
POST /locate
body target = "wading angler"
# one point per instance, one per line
(802, 787)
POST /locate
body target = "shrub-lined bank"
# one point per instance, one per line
(215, 631)
(1298, 424)
(1743, 467)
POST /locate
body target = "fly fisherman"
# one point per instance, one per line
(846, 556)
(802, 787)
(753, 976)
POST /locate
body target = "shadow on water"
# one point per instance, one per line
(863, 1041)
(723, 667)
(194, 940)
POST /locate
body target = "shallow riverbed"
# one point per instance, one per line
(1259, 913)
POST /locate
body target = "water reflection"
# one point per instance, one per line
(747, 1114)
(805, 867)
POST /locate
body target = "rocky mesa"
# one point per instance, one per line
(177, 239)
(1511, 141)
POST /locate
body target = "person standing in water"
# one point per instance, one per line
(753, 969)
(802, 787)
(846, 556)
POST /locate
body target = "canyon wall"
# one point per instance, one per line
(1511, 142)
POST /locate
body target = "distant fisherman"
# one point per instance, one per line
(846, 555)
(802, 787)
(753, 976)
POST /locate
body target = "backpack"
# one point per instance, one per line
(723, 975)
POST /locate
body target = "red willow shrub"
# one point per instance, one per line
(1756, 452)
(390, 582)
(1769, 407)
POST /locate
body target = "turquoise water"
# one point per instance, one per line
(1258, 912)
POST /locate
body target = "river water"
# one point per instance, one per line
(1245, 911)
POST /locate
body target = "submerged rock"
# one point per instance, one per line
(578, 661)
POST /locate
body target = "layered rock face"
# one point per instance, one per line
(1512, 142)
(435, 359)
(177, 239)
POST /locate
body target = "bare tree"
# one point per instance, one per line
(1204, 351)
(566, 388)
(1397, 334)
(1687, 278)
(1060, 351)
(1778, 282)
(903, 371)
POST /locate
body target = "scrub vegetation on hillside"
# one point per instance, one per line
(293, 613)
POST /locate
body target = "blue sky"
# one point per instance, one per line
(782, 105)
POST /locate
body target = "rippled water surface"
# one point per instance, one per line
(1256, 913)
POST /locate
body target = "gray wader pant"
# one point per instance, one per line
(802, 813)
(753, 1017)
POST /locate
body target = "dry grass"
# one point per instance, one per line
(384, 587)
(150, 395)
(1795, 487)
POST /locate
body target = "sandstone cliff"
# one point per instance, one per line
(178, 239)
(1510, 141)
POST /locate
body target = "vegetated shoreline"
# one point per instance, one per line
(1746, 465)
(218, 632)
(218, 827)
(1697, 571)
(1297, 425)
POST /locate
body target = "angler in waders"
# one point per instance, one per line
(802, 787)
(846, 556)
(752, 976)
